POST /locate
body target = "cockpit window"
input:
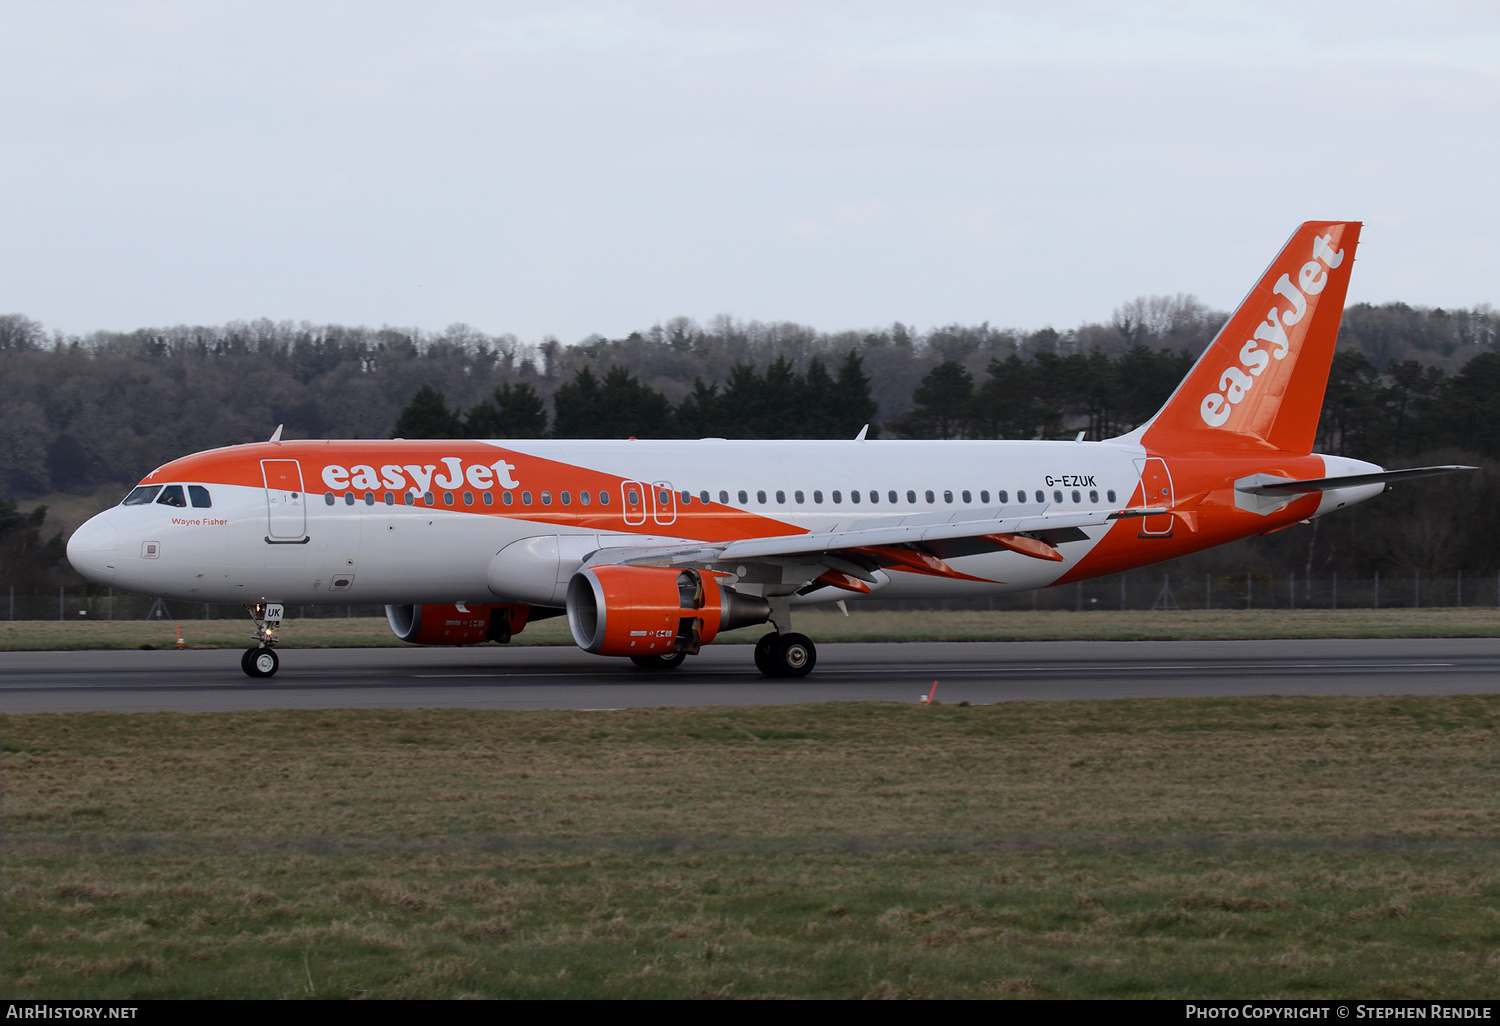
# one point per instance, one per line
(171, 495)
(140, 496)
(200, 498)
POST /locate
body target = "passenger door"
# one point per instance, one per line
(286, 506)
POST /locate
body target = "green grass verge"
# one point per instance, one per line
(1265, 847)
(822, 625)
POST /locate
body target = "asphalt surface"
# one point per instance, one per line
(491, 677)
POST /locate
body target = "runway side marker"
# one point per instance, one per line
(927, 700)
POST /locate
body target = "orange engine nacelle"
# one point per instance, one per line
(646, 610)
(456, 625)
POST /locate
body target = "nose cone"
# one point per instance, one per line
(94, 549)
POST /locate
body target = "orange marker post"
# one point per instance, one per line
(930, 694)
(179, 635)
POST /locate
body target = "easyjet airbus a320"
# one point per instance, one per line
(651, 548)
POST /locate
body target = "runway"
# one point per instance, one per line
(564, 678)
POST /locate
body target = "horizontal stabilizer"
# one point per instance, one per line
(1324, 484)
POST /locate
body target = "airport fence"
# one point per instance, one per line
(79, 604)
(1139, 590)
(1164, 590)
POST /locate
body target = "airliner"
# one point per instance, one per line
(653, 548)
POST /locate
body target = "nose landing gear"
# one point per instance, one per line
(260, 660)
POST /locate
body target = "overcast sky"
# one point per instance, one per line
(561, 168)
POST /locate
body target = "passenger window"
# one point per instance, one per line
(390, 499)
(911, 497)
(723, 497)
(171, 495)
(838, 497)
(409, 498)
(633, 497)
(1003, 496)
(798, 497)
(428, 498)
(947, 496)
(874, 495)
(1110, 495)
(507, 497)
(140, 496)
(328, 498)
(1093, 496)
(817, 496)
(369, 498)
(984, 497)
(546, 498)
(468, 498)
(967, 497)
(760, 497)
(447, 498)
(744, 497)
(892, 496)
(664, 500)
(604, 498)
(200, 498)
(526, 498)
(583, 498)
(703, 497)
(931, 498)
(854, 496)
(489, 498)
(1077, 497)
(349, 498)
(567, 498)
(687, 498)
(1056, 496)
(1041, 496)
(780, 498)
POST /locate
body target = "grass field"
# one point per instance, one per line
(1194, 848)
(822, 625)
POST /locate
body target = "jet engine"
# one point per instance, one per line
(643, 611)
(456, 624)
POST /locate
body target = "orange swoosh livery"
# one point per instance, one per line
(651, 548)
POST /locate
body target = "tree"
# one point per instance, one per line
(428, 416)
(944, 404)
(26, 561)
(852, 406)
(515, 412)
(620, 407)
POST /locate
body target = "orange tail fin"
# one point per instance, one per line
(1260, 383)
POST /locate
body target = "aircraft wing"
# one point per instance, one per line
(911, 531)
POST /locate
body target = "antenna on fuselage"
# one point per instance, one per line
(276, 435)
(862, 431)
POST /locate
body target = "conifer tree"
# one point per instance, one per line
(428, 416)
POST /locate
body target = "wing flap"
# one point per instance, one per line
(791, 545)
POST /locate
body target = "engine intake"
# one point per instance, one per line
(456, 625)
(645, 610)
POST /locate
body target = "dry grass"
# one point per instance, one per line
(1255, 847)
(823, 625)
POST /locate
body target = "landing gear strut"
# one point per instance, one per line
(260, 660)
(785, 655)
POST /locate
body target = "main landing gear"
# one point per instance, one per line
(260, 660)
(785, 655)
